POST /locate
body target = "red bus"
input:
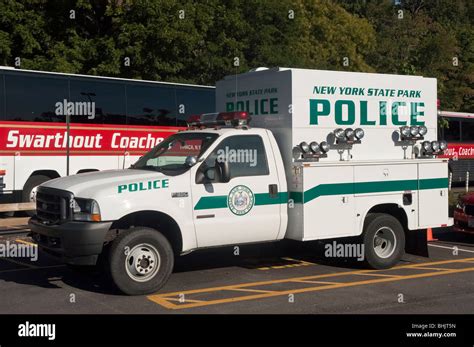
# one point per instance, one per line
(111, 123)
(459, 133)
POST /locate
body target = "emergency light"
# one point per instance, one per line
(237, 118)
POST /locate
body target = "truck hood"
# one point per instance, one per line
(92, 184)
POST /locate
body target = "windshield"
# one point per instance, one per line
(170, 155)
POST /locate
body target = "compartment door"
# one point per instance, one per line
(432, 194)
(329, 209)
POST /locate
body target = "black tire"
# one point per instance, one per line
(32, 182)
(125, 247)
(388, 228)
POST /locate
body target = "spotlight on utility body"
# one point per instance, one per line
(311, 152)
(304, 147)
(434, 147)
(405, 131)
(359, 133)
(297, 153)
(339, 133)
(423, 130)
(324, 146)
(426, 145)
(314, 147)
(349, 132)
(443, 145)
(413, 133)
(414, 130)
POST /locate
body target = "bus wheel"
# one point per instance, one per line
(29, 190)
(384, 240)
(140, 261)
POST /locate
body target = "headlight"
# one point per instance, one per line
(423, 130)
(443, 145)
(86, 210)
(414, 130)
(324, 146)
(460, 205)
(339, 133)
(314, 147)
(359, 133)
(304, 147)
(405, 131)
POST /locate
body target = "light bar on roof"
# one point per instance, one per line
(223, 118)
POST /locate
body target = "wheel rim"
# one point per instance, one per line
(385, 242)
(142, 262)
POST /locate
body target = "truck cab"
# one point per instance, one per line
(206, 186)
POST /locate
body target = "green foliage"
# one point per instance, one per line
(202, 41)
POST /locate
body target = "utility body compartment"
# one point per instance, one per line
(330, 200)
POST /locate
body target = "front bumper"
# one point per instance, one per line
(77, 243)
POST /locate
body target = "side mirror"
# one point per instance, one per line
(224, 170)
(190, 160)
(210, 174)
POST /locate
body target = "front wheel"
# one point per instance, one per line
(384, 240)
(140, 261)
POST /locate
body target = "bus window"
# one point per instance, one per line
(195, 101)
(467, 130)
(453, 132)
(151, 105)
(33, 97)
(108, 98)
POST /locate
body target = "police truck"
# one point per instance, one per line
(290, 154)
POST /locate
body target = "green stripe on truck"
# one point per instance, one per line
(209, 202)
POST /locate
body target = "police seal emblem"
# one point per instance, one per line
(240, 200)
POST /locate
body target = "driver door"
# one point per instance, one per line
(245, 209)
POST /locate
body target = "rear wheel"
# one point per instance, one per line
(29, 190)
(384, 240)
(140, 261)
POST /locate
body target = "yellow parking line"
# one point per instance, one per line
(378, 275)
(183, 300)
(315, 282)
(250, 290)
(162, 299)
(430, 268)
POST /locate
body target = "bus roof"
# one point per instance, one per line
(9, 68)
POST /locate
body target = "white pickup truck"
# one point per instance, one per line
(326, 162)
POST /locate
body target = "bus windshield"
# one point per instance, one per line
(170, 155)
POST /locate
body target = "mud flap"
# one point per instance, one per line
(416, 242)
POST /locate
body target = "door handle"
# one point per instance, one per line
(273, 190)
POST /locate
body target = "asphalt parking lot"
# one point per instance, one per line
(281, 277)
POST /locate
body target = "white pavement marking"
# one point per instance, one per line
(452, 248)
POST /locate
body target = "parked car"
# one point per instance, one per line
(464, 214)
